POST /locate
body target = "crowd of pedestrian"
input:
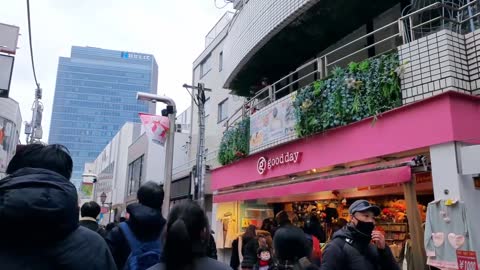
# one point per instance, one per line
(40, 229)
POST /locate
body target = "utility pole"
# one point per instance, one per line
(199, 99)
(33, 130)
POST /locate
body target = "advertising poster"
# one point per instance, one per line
(273, 124)
(87, 190)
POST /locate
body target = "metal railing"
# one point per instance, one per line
(218, 28)
(185, 168)
(405, 31)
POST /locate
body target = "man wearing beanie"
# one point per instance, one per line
(357, 246)
(146, 222)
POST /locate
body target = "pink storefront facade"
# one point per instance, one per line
(400, 132)
(383, 153)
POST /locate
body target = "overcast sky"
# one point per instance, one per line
(173, 31)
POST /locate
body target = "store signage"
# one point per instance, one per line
(127, 55)
(264, 163)
(424, 177)
(467, 260)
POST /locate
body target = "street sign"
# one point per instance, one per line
(6, 69)
(8, 38)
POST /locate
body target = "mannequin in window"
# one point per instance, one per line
(228, 224)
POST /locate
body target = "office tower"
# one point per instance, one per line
(95, 95)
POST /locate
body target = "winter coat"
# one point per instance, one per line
(204, 263)
(146, 223)
(39, 225)
(350, 250)
(91, 223)
(212, 248)
(249, 252)
(234, 260)
(250, 247)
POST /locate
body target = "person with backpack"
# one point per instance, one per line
(136, 244)
(39, 226)
(292, 250)
(358, 246)
(186, 241)
(89, 213)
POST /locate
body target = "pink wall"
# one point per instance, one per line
(443, 118)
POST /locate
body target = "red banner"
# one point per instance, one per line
(424, 177)
(156, 127)
(467, 260)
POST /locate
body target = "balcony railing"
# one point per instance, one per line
(218, 28)
(184, 169)
(407, 28)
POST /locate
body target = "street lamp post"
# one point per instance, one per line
(103, 198)
(171, 112)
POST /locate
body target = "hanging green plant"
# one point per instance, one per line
(348, 95)
(235, 143)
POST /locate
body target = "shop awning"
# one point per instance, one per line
(372, 177)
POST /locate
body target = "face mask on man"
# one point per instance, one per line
(365, 228)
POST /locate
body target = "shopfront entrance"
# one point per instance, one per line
(389, 162)
(401, 187)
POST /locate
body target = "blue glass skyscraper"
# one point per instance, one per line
(95, 95)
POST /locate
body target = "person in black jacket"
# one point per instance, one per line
(89, 213)
(292, 250)
(146, 222)
(351, 247)
(235, 259)
(212, 247)
(39, 227)
(248, 247)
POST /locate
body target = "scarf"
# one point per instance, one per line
(263, 263)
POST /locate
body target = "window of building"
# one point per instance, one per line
(205, 65)
(220, 61)
(135, 175)
(223, 110)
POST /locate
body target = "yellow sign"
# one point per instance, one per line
(246, 222)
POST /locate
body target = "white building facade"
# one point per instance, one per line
(128, 161)
(111, 170)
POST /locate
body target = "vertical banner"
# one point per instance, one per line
(87, 190)
(156, 127)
